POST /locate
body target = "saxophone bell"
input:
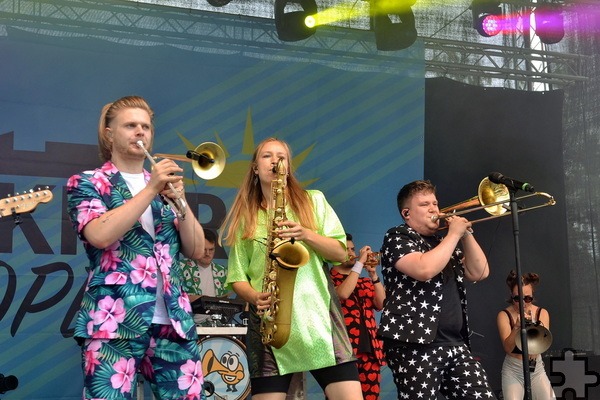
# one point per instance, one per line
(289, 254)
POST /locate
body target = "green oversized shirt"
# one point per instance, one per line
(313, 333)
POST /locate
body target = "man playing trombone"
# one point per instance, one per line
(424, 322)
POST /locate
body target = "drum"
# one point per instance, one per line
(225, 365)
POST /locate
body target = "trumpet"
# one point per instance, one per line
(179, 204)
(494, 199)
(372, 259)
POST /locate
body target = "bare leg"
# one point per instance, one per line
(269, 396)
(345, 390)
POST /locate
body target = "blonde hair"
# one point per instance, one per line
(109, 112)
(248, 201)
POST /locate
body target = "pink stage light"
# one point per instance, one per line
(492, 25)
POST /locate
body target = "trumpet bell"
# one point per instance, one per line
(493, 196)
(539, 339)
(208, 160)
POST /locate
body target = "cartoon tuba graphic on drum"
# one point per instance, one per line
(224, 364)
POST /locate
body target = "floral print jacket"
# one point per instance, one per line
(120, 294)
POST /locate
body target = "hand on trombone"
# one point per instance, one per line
(165, 172)
(459, 226)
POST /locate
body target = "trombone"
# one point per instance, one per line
(493, 198)
(208, 161)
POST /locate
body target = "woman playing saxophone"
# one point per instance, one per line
(318, 341)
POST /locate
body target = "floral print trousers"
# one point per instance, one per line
(169, 363)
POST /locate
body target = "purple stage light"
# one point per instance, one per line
(492, 25)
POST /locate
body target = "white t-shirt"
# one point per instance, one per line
(207, 282)
(135, 183)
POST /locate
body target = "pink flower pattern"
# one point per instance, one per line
(192, 377)
(184, 302)
(110, 314)
(125, 371)
(91, 356)
(164, 260)
(73, 181)
(110, 257)
(87, 211)
(116, 278)
(144, 271)
(101, 183)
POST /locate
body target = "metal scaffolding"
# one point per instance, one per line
(197, 29)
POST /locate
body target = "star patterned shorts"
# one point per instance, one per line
(420, 372)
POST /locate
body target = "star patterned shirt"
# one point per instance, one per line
(412, 310)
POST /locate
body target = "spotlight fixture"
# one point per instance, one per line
(291, 25)
(393, 22)
(218, 3)
(549, 23)
(487, 17)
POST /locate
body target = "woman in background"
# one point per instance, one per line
(509, 328)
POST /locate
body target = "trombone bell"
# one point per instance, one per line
(208, 160)
(493, 196)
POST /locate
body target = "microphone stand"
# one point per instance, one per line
(515, 218)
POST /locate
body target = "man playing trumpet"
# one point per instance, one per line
(359, 297)
(424, 322)
(134, 315)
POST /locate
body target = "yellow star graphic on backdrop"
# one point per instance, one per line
(234, 171)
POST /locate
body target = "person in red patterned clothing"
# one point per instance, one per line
(359, 297)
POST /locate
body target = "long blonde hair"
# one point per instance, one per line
(248, 201)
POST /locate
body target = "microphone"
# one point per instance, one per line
(192, 155)
(511, 183)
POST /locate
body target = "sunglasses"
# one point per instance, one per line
(526, 299)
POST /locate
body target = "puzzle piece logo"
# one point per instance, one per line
(576, 379)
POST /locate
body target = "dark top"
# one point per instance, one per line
(512, 325)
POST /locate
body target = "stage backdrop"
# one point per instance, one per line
(469, 133)
(356, 130)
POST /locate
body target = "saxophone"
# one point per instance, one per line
(282, 263)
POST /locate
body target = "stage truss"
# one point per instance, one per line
(199, 29)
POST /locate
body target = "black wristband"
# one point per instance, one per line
(376, 281)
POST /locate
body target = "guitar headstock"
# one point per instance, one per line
(25, 202)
